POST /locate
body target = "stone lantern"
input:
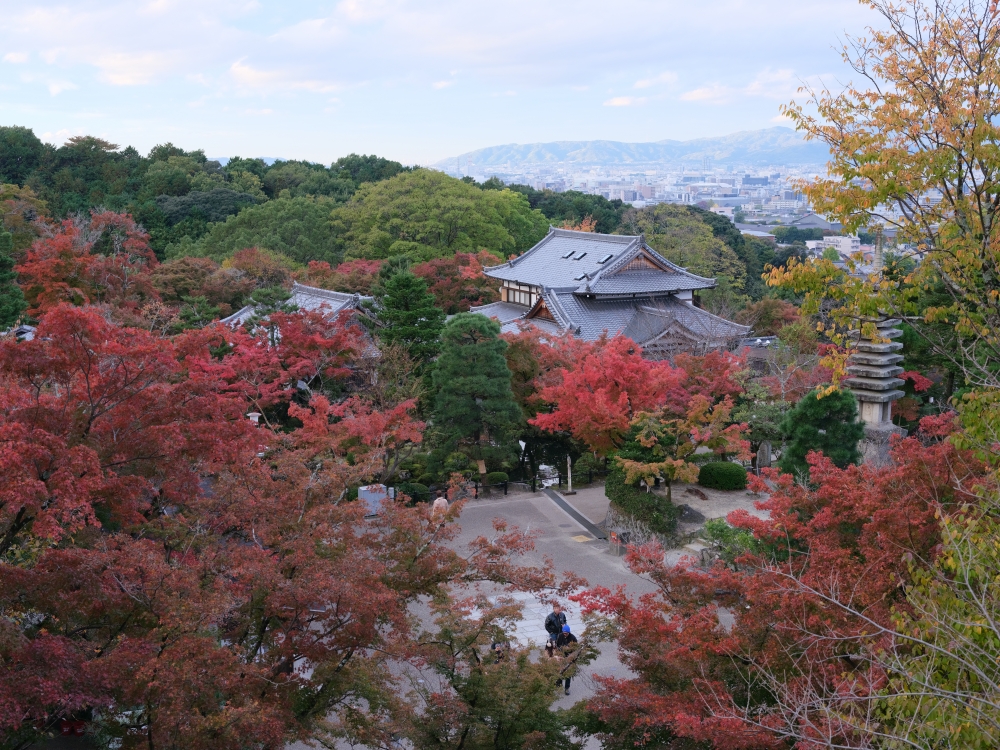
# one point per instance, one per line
(872, 369)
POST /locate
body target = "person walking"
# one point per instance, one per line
(566, 643)
(554, 625)
(440, 506)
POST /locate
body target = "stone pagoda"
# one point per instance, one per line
(872, 370)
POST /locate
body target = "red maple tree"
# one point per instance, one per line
(743, 656)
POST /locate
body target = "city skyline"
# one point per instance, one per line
(409, 80)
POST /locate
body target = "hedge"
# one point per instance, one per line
(417, 492)
(656, 512)
(723, 475)
(495, 477)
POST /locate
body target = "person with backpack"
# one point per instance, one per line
(567, 643)
(554, 625)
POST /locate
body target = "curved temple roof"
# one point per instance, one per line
(598, 264)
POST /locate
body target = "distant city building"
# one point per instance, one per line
(588, 285)
(845, 246)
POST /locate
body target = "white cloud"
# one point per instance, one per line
(442, 84)
(665, 77)
(713, 94)
(625, 101)
(267, 81)
(16, 57)
(124, 69)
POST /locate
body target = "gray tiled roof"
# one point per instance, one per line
(653, 318)
(644, 282)
(566, 258)
(503, 312)
(306, 298)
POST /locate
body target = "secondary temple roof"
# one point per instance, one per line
(306, 298)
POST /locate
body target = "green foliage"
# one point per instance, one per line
(722, 475)
(406, 315)
(12, 303)
(474, 408)
(762, 413)
(496, 477)
(195, 312)
(361, 169)
(788, 235)
(212, 206)
(571, 206)
(20, 154)
(417, 492)
(296, 227)
(425, 215)
(654, 511)
(825, 423)
(730, 543)
(301, 178)
(586, 463)
(831, 253)
(683, 237)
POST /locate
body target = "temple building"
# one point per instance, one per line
(306, 298)
(587, 284)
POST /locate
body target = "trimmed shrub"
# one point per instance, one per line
(427, 479)
(586, 464)
(417, 492)
(657, 513)
(496, 477)
(723, 475)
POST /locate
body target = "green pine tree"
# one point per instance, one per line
(12, 302)
(195, 312)
(266, 301)
(828, 424)
(474, 409)
(406, 315)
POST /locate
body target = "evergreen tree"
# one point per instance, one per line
(828, 424)
(406, 315)
(269, 300)
(195, 312)
(12, 302)
(474, 410)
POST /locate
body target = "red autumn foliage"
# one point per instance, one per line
(607, 386)
(920, 383)
(353, 276)
(107, 259)
(595, 388)
(458, 282)
(726, 676)
(203, 583)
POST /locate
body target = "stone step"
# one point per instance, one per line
(873, 358)
(885, 348)
(877, 397)
(873, 384)
(873, 371)
(695, 547)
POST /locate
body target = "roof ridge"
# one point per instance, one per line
(316, 291)
(616, 238)
(510, 263)
(679, 269)
(554, 306)
(673, 301)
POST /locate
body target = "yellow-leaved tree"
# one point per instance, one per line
(915, 149)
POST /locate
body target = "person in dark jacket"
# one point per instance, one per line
(554, 625)
(566, 643)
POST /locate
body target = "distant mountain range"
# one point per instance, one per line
(776, 145)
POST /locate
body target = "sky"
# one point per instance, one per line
(412, 80)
